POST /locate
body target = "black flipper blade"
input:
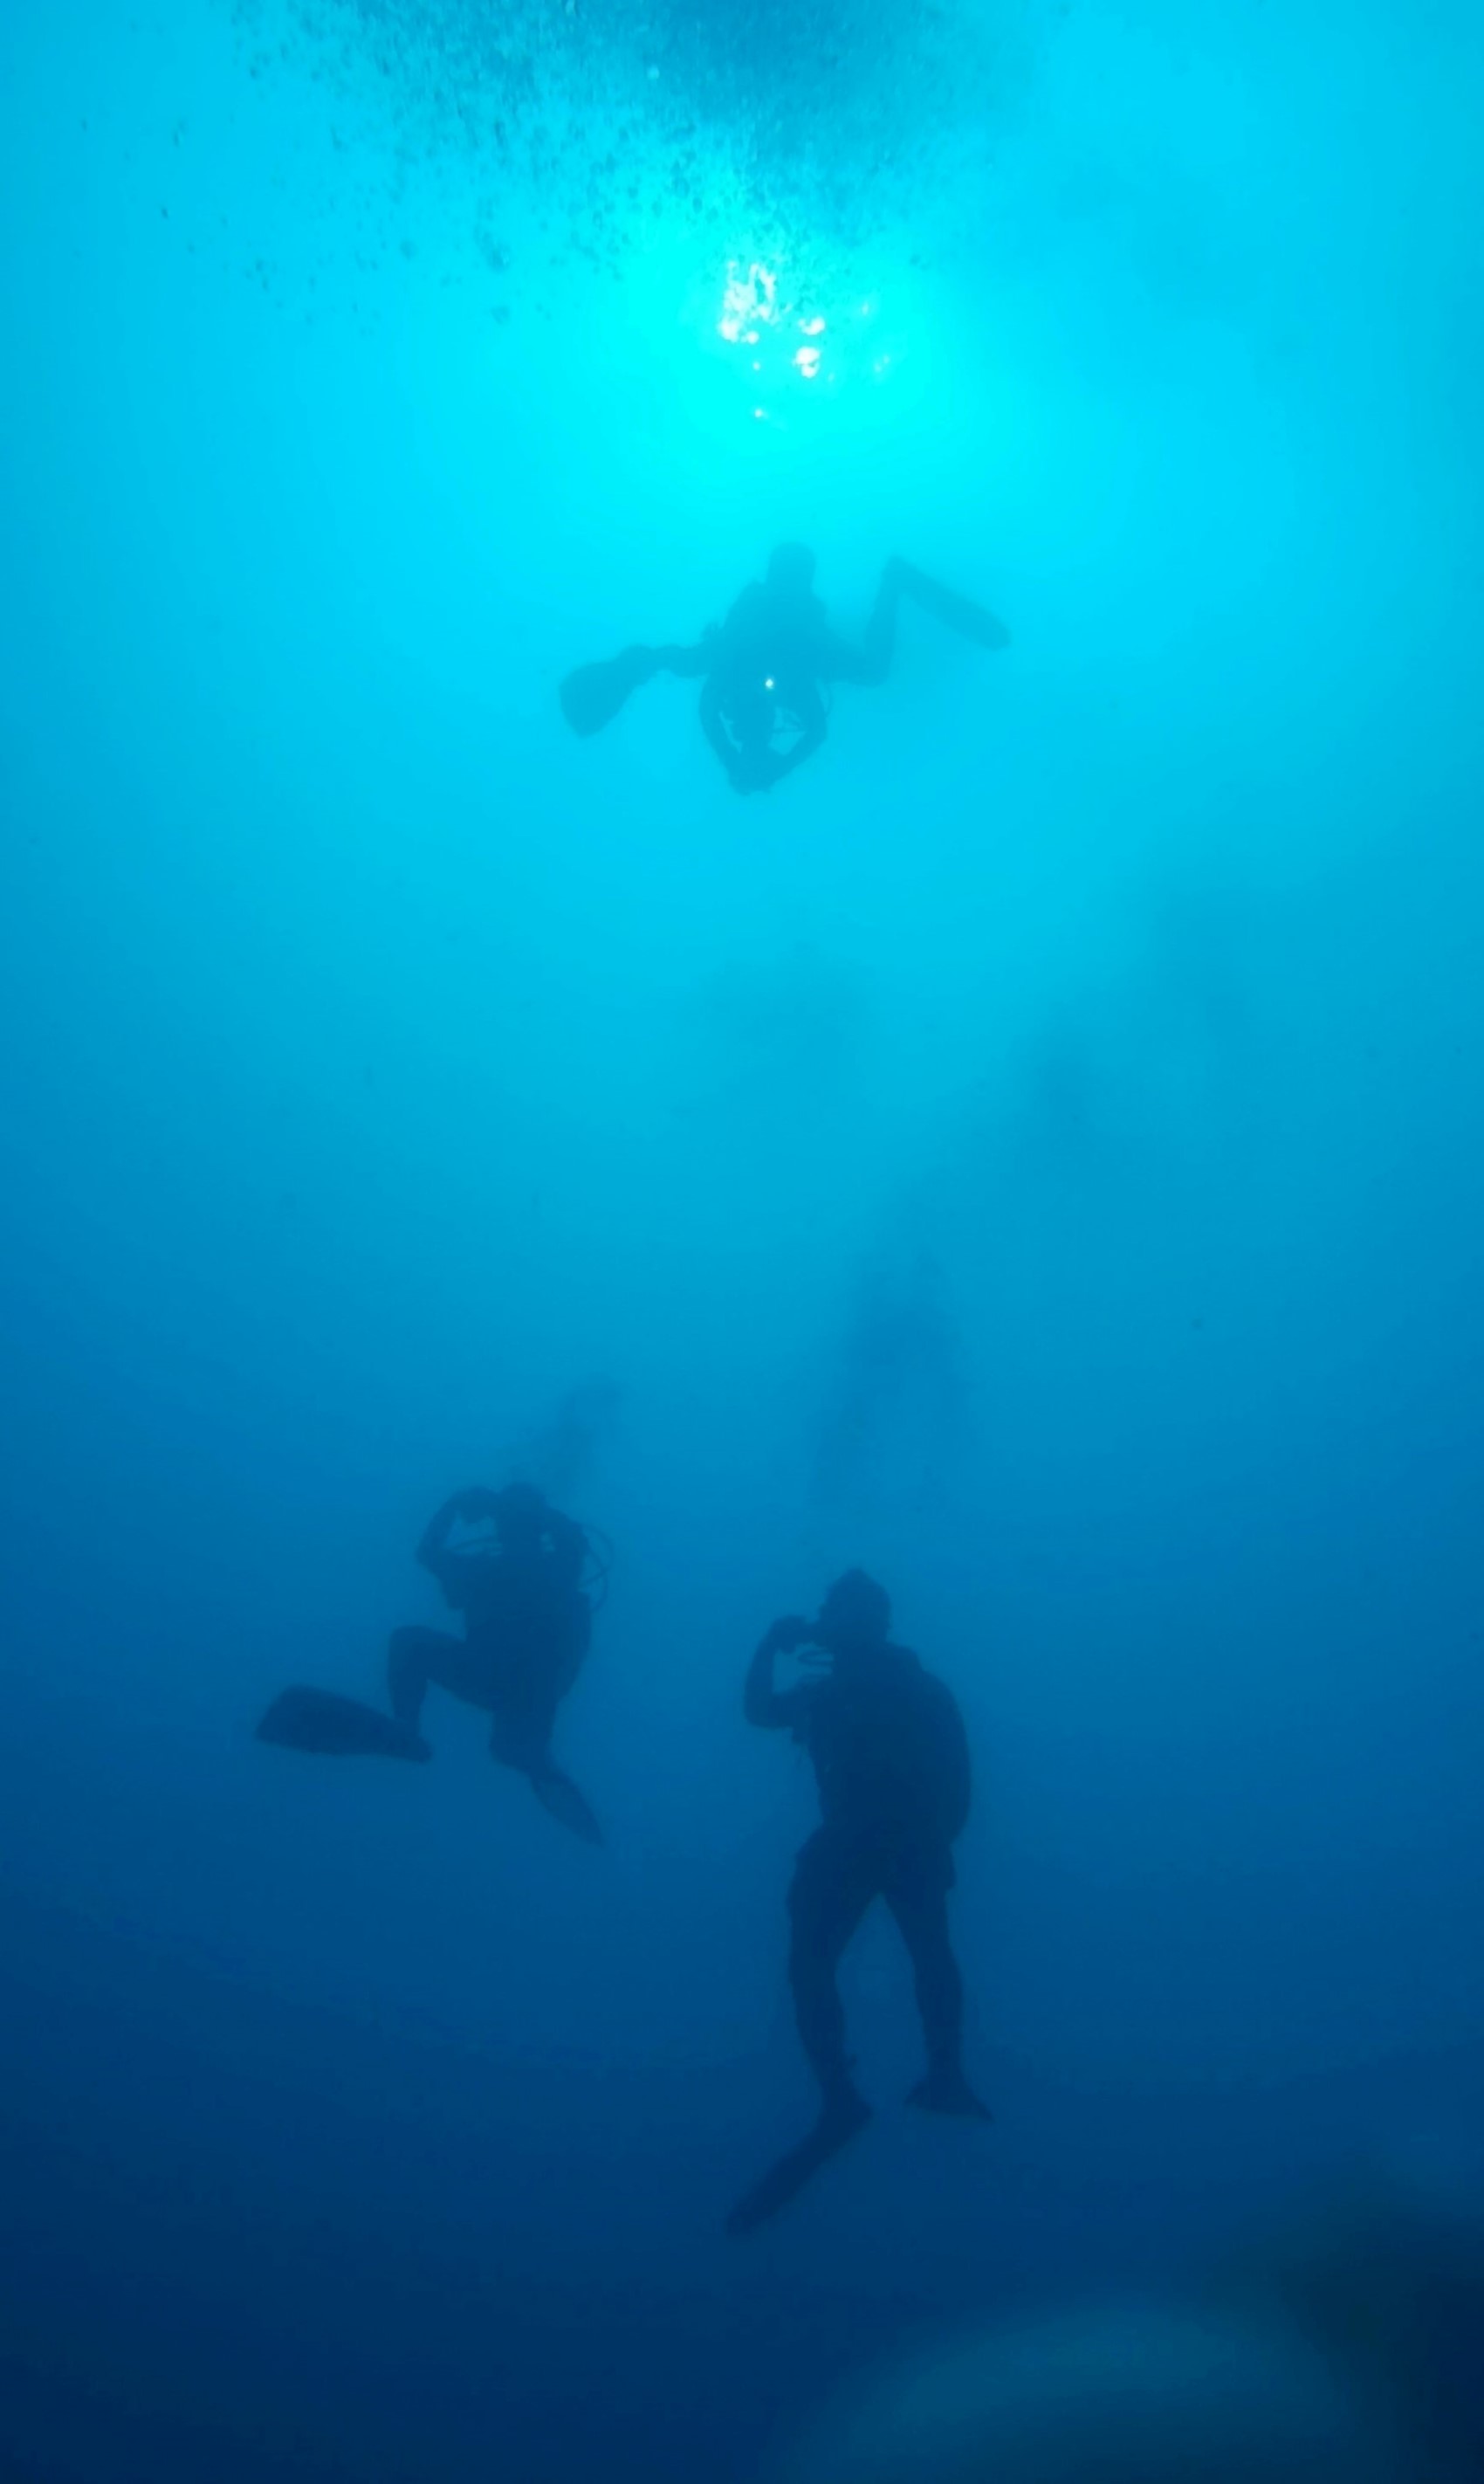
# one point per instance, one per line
(957, 612)
(593, 695)
(556, 1794)
(303, 1719)
(784, 2181)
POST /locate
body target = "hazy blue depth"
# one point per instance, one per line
(1035, 1152)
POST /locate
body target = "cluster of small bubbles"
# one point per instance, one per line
(814, 119)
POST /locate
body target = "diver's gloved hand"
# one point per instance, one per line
(789, 1633)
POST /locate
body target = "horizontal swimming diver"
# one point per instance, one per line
(765, 671)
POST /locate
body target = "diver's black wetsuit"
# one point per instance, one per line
(766, 669)
(891, 1758)
(526, 1625)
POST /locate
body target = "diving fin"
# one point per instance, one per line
(305, 1720)
(556, 1794)
(836, 2127)
(954, 612)
(592, 697)
(948, 2091)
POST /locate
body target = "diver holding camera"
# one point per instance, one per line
(524, 1581)
(891, 1763)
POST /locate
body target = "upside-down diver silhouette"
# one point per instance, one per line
(765, 672)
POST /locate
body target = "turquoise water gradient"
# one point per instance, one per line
(1037, 1152)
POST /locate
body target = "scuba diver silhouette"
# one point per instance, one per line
(764, 673)
(519, 1583)
(892, 1761)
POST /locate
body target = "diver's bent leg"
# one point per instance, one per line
(922, 1919)
(524, 1712)
(826, 1902)
(879, 643)
(714, 725)
(521, 1739)
(409, 1660)
(687, 663)
(921, 1911)
(416, 1658)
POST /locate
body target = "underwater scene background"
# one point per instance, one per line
(1033, 1152)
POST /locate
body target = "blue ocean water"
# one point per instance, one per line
(1033, 1152)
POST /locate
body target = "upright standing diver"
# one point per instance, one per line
(892, 1761)
(765, 671)
(527, 1621)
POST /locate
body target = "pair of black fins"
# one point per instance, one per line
(303, 1719)
(592, 697)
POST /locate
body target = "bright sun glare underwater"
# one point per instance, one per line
(785, 334)
(773, 336)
